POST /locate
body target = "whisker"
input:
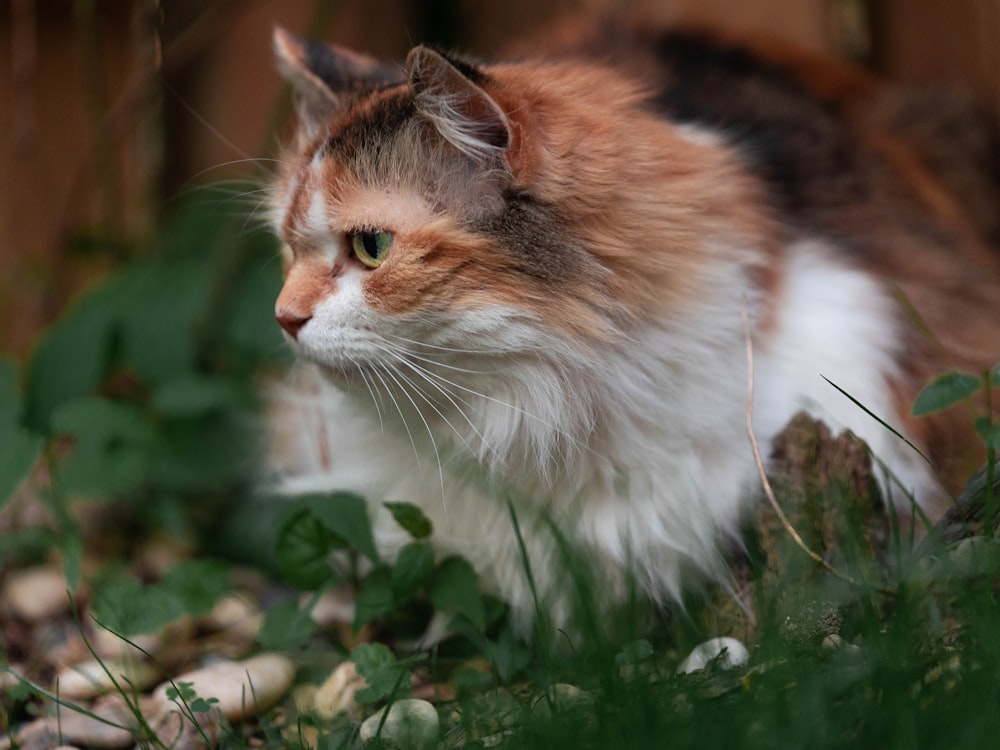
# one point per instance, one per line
(393, 375)
(416, 453)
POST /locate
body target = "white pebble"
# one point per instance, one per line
(37, 594)
(410, 723)
(242, 689)
(80, 729)
(336, 694)
(729, 652)
(110, 646)
(91, 678)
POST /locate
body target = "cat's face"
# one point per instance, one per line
(438, 212)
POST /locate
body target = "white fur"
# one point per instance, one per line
(636, 451)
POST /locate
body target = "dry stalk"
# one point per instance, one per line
(766, 483)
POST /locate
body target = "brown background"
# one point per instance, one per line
(112, 110)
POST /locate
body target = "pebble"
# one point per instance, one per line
(110, 646)
(834, 642)
(561, 697)
(336, 694)
(972, 556)
(409, 723)
(242, 688)
(334, 607)
(735, 655)
(91, 678)
(36, 594)
(234, 613)
(80, 729)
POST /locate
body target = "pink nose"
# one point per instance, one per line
(292, 321)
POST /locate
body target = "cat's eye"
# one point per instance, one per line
(371, 247)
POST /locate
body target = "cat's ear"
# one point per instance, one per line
(323, 75)
(449, 93)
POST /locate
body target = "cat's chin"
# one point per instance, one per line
(346, 375)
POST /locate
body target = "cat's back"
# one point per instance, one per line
(825, 137)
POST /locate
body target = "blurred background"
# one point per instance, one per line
(113, 113)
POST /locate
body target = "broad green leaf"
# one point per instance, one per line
(192, 395)
(95, 418)
(72, 357)
(162, 306)
(413, 565)
(411, 518)
(374, 597)
(303, 550)
(201, 453)
(19, 448)
(19, 453)
(111, 448)
(129, 608)
(454, 587)
(380, 670)
(945, 391)
(989, 431)
(286, 626)
(10, 394)
(72, 553)
(346, 515)
(634, 652)
(198, 584)
(996, 375)
(251, 334)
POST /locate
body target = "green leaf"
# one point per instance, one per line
(10, 394)
(73, 356)
(198, 584)
(112, 446)
(454, 587)
(996, 376)
(634, 652)
(129, 608)
(193, 395)
(945, 391)
(200, 453)
(380, 670)
(101, 418)
(413, 565)
(72, 552)
(286, 626)
(346, 515)
(19, 448)
(412, 519)
(162, 305)
(989, 432)
(303, 550)
(19, 453)
(374, 597)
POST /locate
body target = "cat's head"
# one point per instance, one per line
(445, 207)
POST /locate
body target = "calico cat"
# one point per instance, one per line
(523, 286)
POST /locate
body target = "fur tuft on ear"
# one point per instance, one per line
(449, 94)
(322, 75)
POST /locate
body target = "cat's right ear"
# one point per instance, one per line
(323, 75)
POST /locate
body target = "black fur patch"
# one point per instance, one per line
(799, 144)
(535, 236)
(373, 129)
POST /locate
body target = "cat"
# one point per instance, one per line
(526, 289)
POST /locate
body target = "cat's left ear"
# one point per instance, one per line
(324, 75)
(450, 93)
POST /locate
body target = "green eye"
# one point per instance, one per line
(371, 247)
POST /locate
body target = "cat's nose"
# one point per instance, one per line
(291, 321)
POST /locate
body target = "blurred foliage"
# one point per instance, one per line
(144, 393)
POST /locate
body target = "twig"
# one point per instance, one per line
(765, 482)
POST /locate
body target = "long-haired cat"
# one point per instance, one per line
(525, 287)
